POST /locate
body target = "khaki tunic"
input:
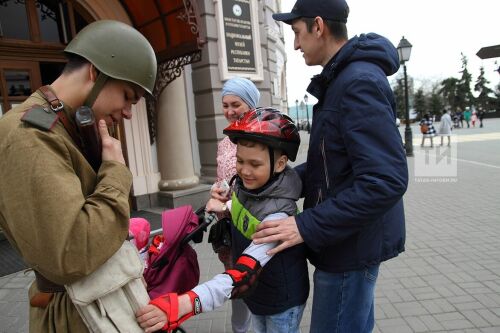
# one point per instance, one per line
(63, 218)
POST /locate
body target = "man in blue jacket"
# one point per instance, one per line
(356, 172)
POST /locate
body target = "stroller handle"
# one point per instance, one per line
(205, 220)
(200, 211)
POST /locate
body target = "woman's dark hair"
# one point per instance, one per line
(74, 62)
(337, 29)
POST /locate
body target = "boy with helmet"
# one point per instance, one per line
(64, 218)
(266, 188)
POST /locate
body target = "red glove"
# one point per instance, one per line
(169, 304)
(244, 276)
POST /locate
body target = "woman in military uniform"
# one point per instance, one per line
(65, 218)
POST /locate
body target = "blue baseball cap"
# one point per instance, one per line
(332, 10)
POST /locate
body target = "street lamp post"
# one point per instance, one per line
(297, 110)
(404, 51)
(307, 114)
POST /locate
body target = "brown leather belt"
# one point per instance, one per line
(46, 289)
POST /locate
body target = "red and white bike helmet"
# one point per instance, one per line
(268, 126)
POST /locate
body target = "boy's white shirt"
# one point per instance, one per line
(216, 291)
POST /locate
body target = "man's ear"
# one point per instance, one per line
(93, 72)
(280, 164)
(319, 27)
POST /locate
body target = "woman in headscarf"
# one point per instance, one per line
(239, 95)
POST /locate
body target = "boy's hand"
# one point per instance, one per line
(111, 148)
(214, 205)
(151, 318)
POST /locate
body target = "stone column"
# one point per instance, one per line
(174, 144)
(140, 160)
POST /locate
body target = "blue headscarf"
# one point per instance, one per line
(244, 89)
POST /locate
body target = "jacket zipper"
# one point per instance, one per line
(320, 197)
(324, 163)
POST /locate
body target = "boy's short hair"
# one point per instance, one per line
(336, 28)
(74, 63)
(250, 143)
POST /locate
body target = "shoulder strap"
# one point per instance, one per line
(58, 107)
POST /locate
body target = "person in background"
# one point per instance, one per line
(445, 126)
(456, 120)
(427, 129)
(355, 174)
(239, 95)
(473, 119)
(265, 189)
(460, 116)
(480, 116)
(65, 218)
(467, 116)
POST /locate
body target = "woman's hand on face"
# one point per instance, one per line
(111, 148)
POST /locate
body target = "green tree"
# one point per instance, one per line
(399, 94)
(484, 101)
(435, 101)
(464, 93)
(420, 103)
(449, 91)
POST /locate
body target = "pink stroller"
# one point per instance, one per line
(172, 264)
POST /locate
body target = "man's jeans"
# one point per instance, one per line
(287, 321)
(344, 302)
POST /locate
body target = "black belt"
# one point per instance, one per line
(47, 286)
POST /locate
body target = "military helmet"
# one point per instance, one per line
(268, 126)
(117, 50)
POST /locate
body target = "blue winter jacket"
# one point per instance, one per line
(356, 172)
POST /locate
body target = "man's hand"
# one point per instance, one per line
(285, 231)
(111, 148)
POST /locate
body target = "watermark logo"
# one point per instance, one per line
(438, 163)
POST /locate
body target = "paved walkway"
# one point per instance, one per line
(448, 280)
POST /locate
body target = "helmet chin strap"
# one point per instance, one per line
(271, 159)
(96, 89)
